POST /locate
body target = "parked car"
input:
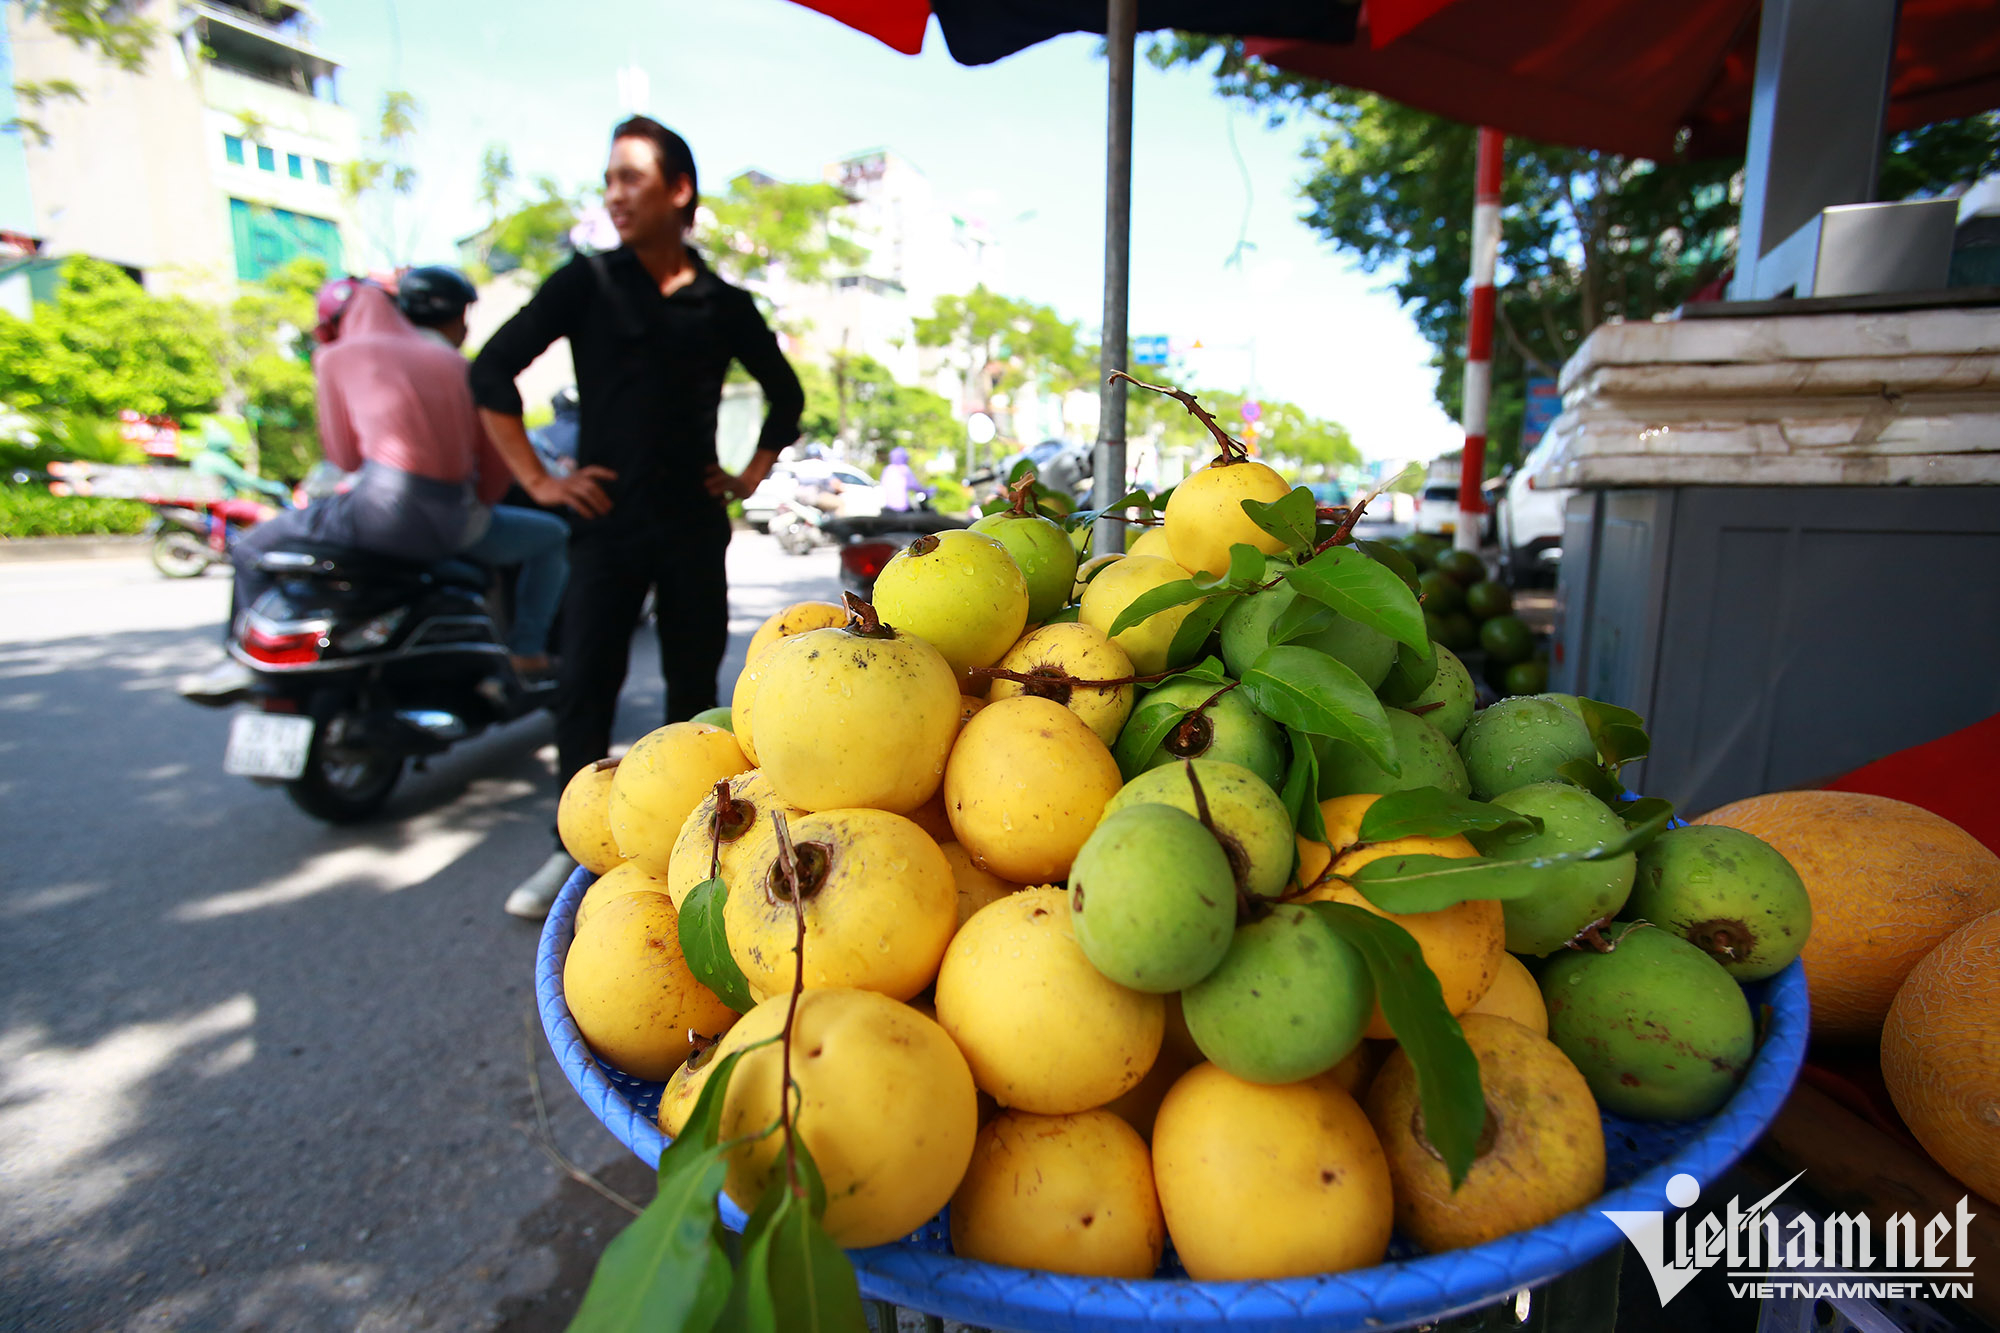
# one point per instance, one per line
(1436, 509)
(859, 495)
(1531, 520)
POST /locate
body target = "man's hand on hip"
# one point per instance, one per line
(580, 491)
(738, 486)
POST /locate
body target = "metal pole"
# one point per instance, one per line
(1479, 336)
(1121, 32)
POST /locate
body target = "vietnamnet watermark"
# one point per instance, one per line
(1771, 1257)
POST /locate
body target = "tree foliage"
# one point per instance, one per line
(105, 345)
(1000, 343)
(533, 237)
(1283, 431)
(858, 400)
(760, 225)
(269, 365)
(112, 28)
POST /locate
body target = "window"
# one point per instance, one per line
(232, 148)
(266, 159)
(295, 166)
(322, 171)
(269, 238)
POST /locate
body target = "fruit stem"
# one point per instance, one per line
(1046, 677)
(1019, 496)
(604, 766)
(1233, 450)
(1184, 729)
(722, 807)
(862, 620)
(790, 866)
(1592, 936)
(1344, 532)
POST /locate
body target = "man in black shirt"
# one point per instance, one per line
(652, 331)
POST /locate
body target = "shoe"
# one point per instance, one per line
(537, 894)
(223, 683)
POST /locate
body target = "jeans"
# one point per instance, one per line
(539, 543)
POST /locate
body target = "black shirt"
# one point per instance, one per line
(649, 372)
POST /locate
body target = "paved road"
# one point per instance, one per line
(257, 1073)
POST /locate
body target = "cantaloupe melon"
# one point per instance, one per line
(1941, 1054)
(1888, 880)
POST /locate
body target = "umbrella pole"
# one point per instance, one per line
(1108, 469)
(1479, 337)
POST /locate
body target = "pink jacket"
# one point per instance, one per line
(390, 395)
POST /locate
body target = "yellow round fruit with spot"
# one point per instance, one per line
(743, 706)
(1269, 1180)
(1540, 1155)
(976, 887)
(623, 878)
(1060, 1193)
(1139, 1105)
(683, 1089)
(1463, 944)
(931, 817)
(1090, 569)
(855, 717)
(1941, 1053)
(880, 906)
(794, 619)
(1043, 1030)
(630, 991)
(885, 1105)
(968, 705)
(747, 826)
(960, 591)
(583, 817)
(1150, 541)
(1117, 587)
(660, 780)
(1515, 995)
(1026, 784)
(1063, 653)
(1205, 517)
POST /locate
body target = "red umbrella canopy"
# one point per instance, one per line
(1625, 76)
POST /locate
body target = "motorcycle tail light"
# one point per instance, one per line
(374, 633)
(284, 649)
(865, 559)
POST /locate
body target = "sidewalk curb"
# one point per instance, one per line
(70, 548)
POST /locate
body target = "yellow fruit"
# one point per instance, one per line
(660, 779)
(967, 706)
(1150, 541)
(1541, 1154)
(1043, 1030)
(880, 906)
(1090, 569)
(846, 719)
(961, 591)
(1116, 588)
(794, 619)
(630, 991)
(1205, 517)
(743, 706)
(583, 817)
(1026, 784)
(1462, 944)
(976, 887)
(683, 1089)
(885, 1106)
(1269, 1180)
(1060, 1193)
(752, 800)
(1515, 995)
(1141, 1104)
(931, 817)
(1065, 652)
(1888, 882)
(1941, 1054)
(623, 878)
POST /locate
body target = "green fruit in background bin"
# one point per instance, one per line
(1045, 554)
(1426, 757)
(1246, 632)
(1572, 894)
(1527, 677)
(1289, 1000)
(1421, 554)
(1464, 566)
(1152, 899)
(1729, 893)
(1487, 599)
(715, 717)
(1250, 822)
(1441, 592)
(1519, 741)
(1230, 729)
(1657, 1028)
(1507, 639)
(1410, 674)
(1460, 634)
(1452, 689)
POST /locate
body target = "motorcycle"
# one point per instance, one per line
(189, 536)
(800, 526)
(362, 664)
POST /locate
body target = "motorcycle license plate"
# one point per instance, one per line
(267, 745)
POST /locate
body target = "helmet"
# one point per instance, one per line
(332, 303)
(434, 295)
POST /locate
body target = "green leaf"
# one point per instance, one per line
(752, 1305)
(811, 1278)
(1297, 687)
(1246, 566)
(1409, 481)
(1155, 600)
(1652, 814)
(1200, 623)
(1129, 500)
(1420, 882)
(1409, 675)
(1146, 729)
(1362, 590)
(1301, 617)
(1304, 774)
(1209, 669)
(1289, 519)
(1619, 733)
(1454, 1105)
(1398, 563)
(705, 945)
(1593, 779)
(999, 506)
(1432, 812)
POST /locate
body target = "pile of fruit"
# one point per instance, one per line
(1191, 901)
(1469, 612)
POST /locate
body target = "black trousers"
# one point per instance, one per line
(682, 558)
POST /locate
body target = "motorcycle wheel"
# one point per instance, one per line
(792, 539)
(180, 554)
(343, 784)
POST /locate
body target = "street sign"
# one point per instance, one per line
(1150, 350)
(1543, 404)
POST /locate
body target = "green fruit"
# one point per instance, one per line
(1045, 554)
(1460, 634)
(1507, 639)
(1441, 592)
(1230, 729)
(1289, 1000)
(1421, 554)
(1409, 675)
(1426, 757)
(1727, 892)
(1564, 701)
(1246, 633)
(1487, 599)
(715, 717)
(1519, 741)
(1571, 895)
(1656, 1027)
(1452, 690)
(1527, 677)
(1464, 566)
(1066, 616)
(960, 591)
(1152, 900)
(1249, 820)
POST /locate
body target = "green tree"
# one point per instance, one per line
(269, 364)
(760, 224)
(875, 412)
(1001, 344)
(1585, 236)
(387, 172)
(105, 345)
(534, 237)
(112, 28)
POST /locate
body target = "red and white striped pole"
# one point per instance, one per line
(1479, 337)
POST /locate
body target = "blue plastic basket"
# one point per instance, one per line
(921, 1273)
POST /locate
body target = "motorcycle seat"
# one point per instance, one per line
(320, 558)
